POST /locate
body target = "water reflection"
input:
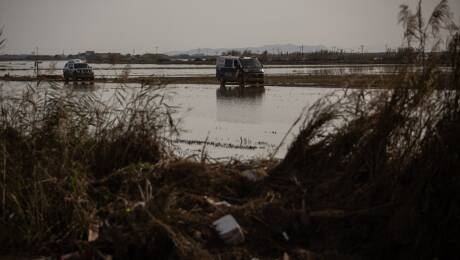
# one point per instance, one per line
(240, 105)
(233, 116)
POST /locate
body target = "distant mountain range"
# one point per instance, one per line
(273, 48)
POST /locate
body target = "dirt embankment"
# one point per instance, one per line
(355, 81)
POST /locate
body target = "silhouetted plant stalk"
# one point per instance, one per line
(419, 32)
(2, 42)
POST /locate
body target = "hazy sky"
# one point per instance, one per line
(123, 26)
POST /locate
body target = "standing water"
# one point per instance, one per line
(230, 122)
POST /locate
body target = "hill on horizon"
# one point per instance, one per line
(272, 48)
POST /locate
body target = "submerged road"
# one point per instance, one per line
(354, 81)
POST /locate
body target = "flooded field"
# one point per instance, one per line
(26, 68)
(236, 123)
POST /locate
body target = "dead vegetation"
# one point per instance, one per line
(383, 167)
(374, 174)
(55, 143)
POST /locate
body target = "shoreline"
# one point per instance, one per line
(355, 81)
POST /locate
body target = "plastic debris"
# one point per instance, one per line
(229, 230)
(285, 236)
(285, 256)
(72, 256)
(139, 204)
(218, 203)
(254, 174)
(93, 232)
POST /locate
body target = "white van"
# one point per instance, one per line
(240, 70)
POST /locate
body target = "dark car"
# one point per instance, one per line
(76, 70)
(239, 70)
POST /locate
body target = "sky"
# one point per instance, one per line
(71, 26)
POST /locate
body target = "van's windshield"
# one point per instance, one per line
(80, 66)
(251, 63)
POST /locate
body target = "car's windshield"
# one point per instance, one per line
(250, 63)
(81, 66)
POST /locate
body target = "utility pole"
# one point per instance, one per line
(36, 61)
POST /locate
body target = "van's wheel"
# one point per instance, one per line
(66, 79)
(222, 83)
(241, 80)
(75, 78)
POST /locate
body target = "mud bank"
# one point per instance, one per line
(354, 81)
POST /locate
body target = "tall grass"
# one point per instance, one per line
(2, 41)
(396, 147)
(55, 144)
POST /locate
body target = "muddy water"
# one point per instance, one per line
(236, 123)
(241, 123)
